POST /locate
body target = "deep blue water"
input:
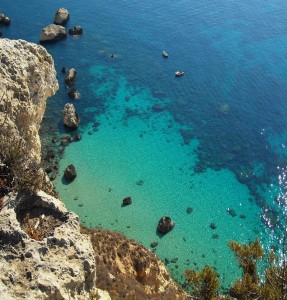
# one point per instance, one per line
(231, 100)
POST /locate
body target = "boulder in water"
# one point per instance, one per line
(165, 225)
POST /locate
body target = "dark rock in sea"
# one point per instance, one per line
(53, 177)
(50, 154)
(71, 77)
(7, 21)
(213, 226)
(187, 135)
(78, 137)
(140, 182)
(158, 108)
(76, 30)
(62, 16)
(174, 260)
(165, 225)
(231, 212)
(70, 173)
(215, 236)
(189, 210)
(52, 33)
(65, 142)
(2, 16)
(73, 94)
(153, 244)
(55, 139)
(127, 201)
(48, 170)
(166, 261)
(242, 216)
(64, 70)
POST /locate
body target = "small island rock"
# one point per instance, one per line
(127, 201)
(62, 16)
(70, 173)
(71, 118)
(53, 33)
(76, 30)
(165, 225)
(71, 77)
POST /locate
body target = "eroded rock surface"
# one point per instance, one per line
(62, 16)
(71, 118)
(27, 79)
(43, 255)
(53, 33)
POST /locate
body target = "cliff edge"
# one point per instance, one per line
(44, 252)
(43, 255)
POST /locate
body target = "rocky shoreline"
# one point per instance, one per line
(44, 253)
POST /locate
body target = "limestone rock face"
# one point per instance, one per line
(71, 118)
(27, 79)
(43, 254)
(53, 33)
(62, 16)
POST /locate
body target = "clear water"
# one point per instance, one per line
(216, 143)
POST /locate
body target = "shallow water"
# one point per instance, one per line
(212, 140)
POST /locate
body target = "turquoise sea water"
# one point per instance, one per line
(213, 140)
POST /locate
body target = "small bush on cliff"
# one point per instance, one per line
(26, 173)
(204, 283)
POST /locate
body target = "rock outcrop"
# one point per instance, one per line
(76, 30)
(71, 118)
(27, 79)
(70, 173)
(43, 254)
(62, 16)
(71, 77)
(165, 225)
(53, 33)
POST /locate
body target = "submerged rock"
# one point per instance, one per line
(189, 210)
(73, 94)
(53, 33)
(165, 225)
(62, 16)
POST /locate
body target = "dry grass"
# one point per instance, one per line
(138, 273)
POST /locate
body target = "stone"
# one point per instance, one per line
(231, 212)
(62, 16)
(212, 226)
(2, 16)
(165, 225)
(70, 173)
(71, 118)
(127, 201)
(73, 94)
(62, 263)
(26, 92)
(53, 33)
(76, 30)
(64, 70)
(6, 21)
(71, 76)
(153, 244)
(189, 210)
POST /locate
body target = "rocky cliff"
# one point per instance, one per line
(44, 254)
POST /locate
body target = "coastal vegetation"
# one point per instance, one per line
(271, 284)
